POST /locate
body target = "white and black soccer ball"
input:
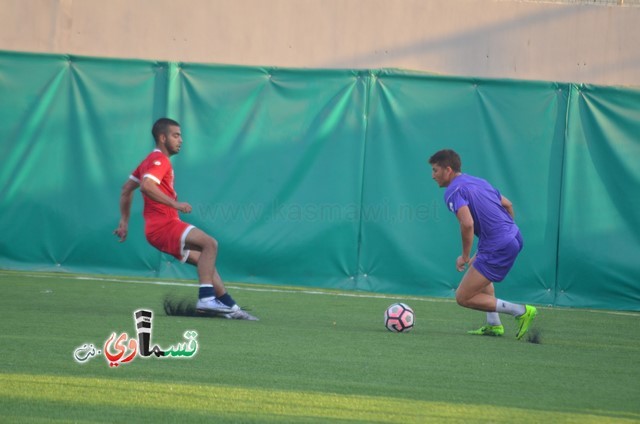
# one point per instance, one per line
(399, 318)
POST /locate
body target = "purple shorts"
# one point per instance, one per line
(495, 264)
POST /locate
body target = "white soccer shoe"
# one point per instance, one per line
(211, 304)
(238, 313)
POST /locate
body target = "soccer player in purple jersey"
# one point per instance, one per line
(483, 211)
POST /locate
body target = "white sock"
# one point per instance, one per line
(493, 318)
(509, 308)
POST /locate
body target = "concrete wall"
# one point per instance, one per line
(484, 38)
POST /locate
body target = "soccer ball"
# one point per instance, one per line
(399, 318)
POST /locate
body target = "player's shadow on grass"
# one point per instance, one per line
(534, 336)
(177, 307)
(183, 307)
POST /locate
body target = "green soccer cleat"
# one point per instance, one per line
(525, 320)
(488, 330)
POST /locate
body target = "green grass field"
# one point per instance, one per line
(315, 356)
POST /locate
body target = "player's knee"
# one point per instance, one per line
(213, 244)
(462, 299)
(209, 243)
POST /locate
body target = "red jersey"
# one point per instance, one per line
(157, 167)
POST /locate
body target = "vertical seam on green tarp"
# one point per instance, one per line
(365, 138)
(174, 70)
(171, 109)
(160, 89)
(561, 191)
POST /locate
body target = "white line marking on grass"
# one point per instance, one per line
(236, 287)
(303, 291)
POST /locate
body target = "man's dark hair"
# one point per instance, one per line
(161, 126)
(446, 157)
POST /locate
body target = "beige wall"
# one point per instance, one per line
(484, 38)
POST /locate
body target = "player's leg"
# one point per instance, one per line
(218, 285)
(206, 248)
(495, 266)
(492, 317)
(202, 252)
(493, 326)
(524, 314)
(472, 292)
(212, 294)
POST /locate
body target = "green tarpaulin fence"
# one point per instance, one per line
(320, 177)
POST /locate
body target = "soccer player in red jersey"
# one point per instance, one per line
(163, 228)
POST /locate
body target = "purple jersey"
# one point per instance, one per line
(491, 222)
